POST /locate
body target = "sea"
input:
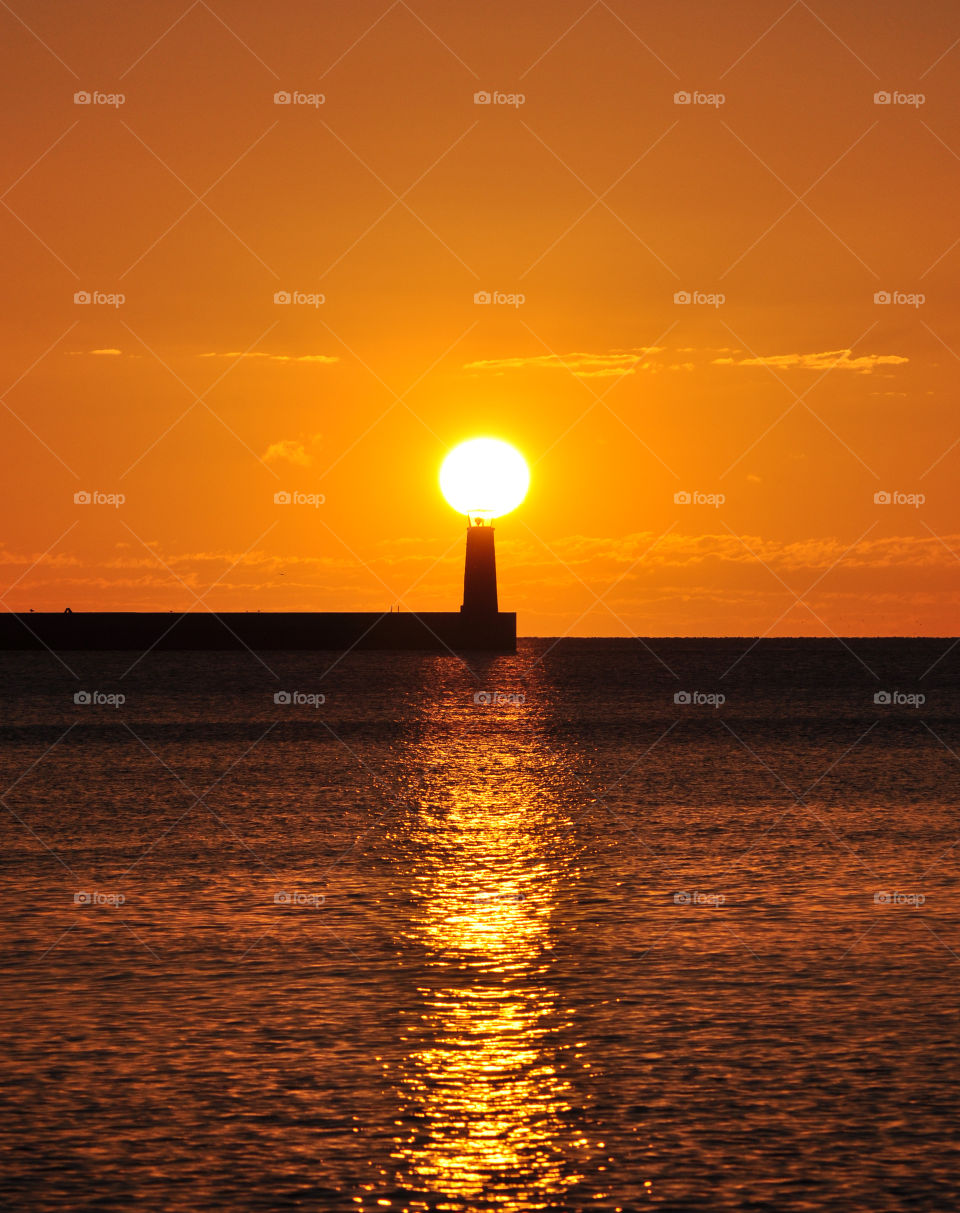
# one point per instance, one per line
(626, 924)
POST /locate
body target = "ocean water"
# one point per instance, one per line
(574, 946)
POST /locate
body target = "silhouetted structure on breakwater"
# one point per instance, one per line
(479, 624)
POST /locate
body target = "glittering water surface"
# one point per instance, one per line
(578, 947)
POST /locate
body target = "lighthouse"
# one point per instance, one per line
(480, 571)
(483, 478)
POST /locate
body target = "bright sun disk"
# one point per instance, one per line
(484, 478)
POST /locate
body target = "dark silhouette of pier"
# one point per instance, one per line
(479, 624)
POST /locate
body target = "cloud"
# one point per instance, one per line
(234, 354)
(198, 562)
(675, 550)
(615, 363)
(672, 573)
(237, 354)
(585, 366)
(645, 550)
(840, 360)
(292, 450)
(30, 560)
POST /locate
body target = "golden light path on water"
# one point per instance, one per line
(484, 1106)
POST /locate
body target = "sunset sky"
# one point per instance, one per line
(786, 187)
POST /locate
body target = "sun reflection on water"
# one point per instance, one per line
(485, 1117)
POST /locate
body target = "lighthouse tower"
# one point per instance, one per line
(480, 571)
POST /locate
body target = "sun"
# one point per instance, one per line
(484, 478)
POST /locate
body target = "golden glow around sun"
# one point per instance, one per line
(484, 478)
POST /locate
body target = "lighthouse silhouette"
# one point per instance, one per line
(480, 572)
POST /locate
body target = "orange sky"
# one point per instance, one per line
(796, 198)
